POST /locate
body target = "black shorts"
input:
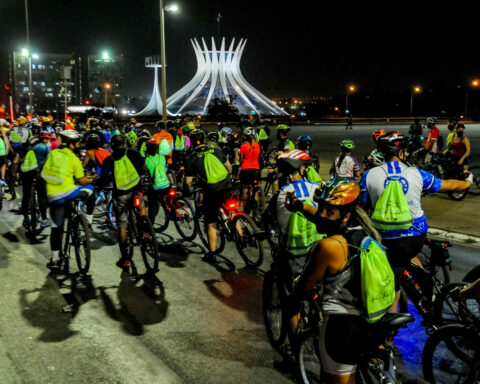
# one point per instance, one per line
(400, 251)
(211, 204)
(248, 176)
(3, 159)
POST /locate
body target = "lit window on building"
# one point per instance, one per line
(25, 89)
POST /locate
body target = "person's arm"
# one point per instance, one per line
(454, 185)
(228, 166)
(295, 205)
(466, 141)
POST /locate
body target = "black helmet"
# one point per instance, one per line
(212, 136)
(197, 137)
(392, 143)
(145, 133)
(93, 141)
(152, 147)
(304, 142)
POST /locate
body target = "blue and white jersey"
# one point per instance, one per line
(304, 190)
(413, 181)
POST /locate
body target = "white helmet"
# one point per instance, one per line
(249, 131)
(431, 120)
(70, 136)
(3, 123)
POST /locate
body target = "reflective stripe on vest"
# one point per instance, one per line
(126, 176)
(57, 166)
(179, 143)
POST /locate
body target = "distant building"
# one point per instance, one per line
(47, 81)
(102, 70)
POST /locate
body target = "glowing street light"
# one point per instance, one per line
(105, 55)
(351, 88)
(416, 89)
(107, 86)
(475, 83)
(168, 8)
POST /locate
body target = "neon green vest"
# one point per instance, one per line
(30, 162)
(262, 135)
(164, 148)
(126, 176)
(57, 166)
(179, 143)
(15, 137)
(2, 147)
(143, 148)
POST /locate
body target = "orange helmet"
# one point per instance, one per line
(378, 133)
(338, 192)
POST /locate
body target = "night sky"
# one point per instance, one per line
(296, 48)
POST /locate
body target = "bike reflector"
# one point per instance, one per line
(231, 205)
(137, 201)
(172, 192)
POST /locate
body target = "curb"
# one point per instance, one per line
(454, 236)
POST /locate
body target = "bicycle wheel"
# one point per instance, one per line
(272, 312)
(450, 353)
(447, 309)
(148, 244)
(202, 232)
(458, 195)
(131, 236)
(184, 220)
(100, 208)
(111, 219)
(248, 245)
(81, 243)
(475, 187)
(32, 212)
(259, 204)
(473, 275)
(308, 358)
(162, 219)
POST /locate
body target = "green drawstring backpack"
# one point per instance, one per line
(214, 168)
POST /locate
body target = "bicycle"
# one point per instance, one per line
(179, 210)
(77, 235)
(140, 233)
(33, 212)
(233, 226)
(255, 203)
(103, 207)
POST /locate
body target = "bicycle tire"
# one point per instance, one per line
(32, 213)
(149, 245)
(185, 218)
(81, 240)
(309, 366)
(451, 343)
(457, 196)
(162, 219)
(473, 275)
(447, 309)
(131, 236)
(202, 232)
(272, 311)
(475, 187)
(246, 239)
(259, 204)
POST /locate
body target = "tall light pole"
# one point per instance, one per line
(163, 92)
(415, 89)
(474, 84)
(107, 86)
(351, 88)
(29, 60)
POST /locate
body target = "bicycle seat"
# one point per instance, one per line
(396, 319)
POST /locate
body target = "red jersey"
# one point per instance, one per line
(251, 154)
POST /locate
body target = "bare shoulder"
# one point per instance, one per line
(332, 246)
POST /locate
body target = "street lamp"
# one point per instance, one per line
(168, 8)
(351, 88)
(415, 90)
(107, 86)
(29, 59)
(475, 83)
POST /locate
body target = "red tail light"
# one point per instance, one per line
(231, 205)
(172, 192)
(137, 201)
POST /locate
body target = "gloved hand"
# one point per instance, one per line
(292, 203)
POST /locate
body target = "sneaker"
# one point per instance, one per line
(123, 264)
(4, 183)
(209, 257)
(53, 265)
(45, 223)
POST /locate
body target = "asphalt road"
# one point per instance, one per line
(193, 323)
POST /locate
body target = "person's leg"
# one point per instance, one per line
(120, 206)
(212, 237)
(57, 213)
(153, 205)
(27, 180)
(41, 189)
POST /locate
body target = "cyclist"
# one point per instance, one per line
(4, 147)
(164, 134)
(403, 244)
(156, 164)
(377, 134)
(415, 132)
(284, 144)
(143, 137)
(215, 186)
(263, 137)
(346, 165)
(31, 168)
(94, 155)
(186, 135)
(459, 146)
(435, 140)
(374, 159)
(285, 172)
(332, 264)
(305, 143)
(60, 172)
(126, 166)
(250, 165)
(230, 147)
(212, 140)
(451, 126)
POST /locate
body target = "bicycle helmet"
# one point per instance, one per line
(249, 131)
(283, 127)
(347, 144)
(145, 133)
(93, 141)
(186, 129)
(376, 157)
(4, 123)
(226, 131)
(212, 136)
(378, 133)
(304, 142)
(338, 192)
(70, 137)
(197, 137)
(291, 161)
(431, 120)
(392, 142)
(152, 147)
(45, 135)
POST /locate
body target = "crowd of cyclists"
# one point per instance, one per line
(322, 225)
